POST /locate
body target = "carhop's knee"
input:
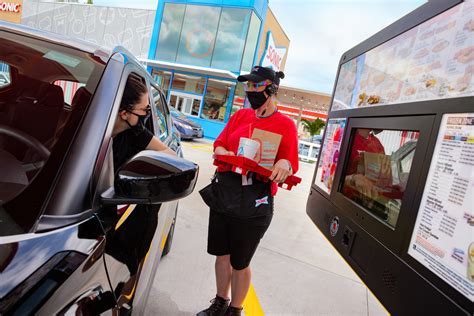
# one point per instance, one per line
(239, 266)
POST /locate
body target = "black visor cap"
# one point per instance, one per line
(258, 74)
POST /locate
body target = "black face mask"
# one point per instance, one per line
(256, 99)
(140, 126)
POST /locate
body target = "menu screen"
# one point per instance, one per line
(434, 60)
(330, 154)
(443, 236)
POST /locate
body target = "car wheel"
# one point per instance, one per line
(169, 239)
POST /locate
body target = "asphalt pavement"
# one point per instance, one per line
(295, 270)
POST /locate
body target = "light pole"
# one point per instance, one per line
(300, 113)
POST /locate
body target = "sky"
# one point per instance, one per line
(320, 31)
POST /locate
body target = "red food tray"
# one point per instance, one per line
(243, 165)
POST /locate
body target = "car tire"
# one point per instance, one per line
(169, 239)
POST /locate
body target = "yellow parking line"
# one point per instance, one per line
(202, 147)
(125, 215)
(251, 304)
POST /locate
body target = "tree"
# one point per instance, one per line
(89, 2)
(314, 127)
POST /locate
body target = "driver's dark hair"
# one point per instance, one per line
(134, 89)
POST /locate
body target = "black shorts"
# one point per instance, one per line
(235, 237)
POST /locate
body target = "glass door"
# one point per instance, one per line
(187, 103)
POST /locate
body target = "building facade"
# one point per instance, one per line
(199, 48)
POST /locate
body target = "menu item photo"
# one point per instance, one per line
(469, 26)
(465, 55)
(440, 46)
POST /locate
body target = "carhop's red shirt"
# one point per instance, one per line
(370, 144)
(242, 124)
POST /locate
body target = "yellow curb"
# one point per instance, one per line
(251, 304)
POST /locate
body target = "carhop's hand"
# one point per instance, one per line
(280, 171)
(222, 151)
(365, 186)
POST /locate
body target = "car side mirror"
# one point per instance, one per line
(151, 177)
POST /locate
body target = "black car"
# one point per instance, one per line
(188, 129)
(76, 237)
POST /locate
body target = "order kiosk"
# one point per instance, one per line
(393, 190)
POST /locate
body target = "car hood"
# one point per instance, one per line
(186, 121)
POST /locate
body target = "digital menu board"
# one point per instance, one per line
(330, 154)
(443, 236)
(434, 60)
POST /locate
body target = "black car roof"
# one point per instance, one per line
(75, 43)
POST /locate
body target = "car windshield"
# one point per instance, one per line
(177, 114)
(44, 91)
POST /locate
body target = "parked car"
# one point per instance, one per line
(315, 139)
(75, 237)
(187, 128)
(308, 151)
(4, 80)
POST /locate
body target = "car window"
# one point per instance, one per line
(176, 113)
(36, 124)
(160, 105)
(4, 75)
(69, 89)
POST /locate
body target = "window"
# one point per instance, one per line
(188, 83)
(38, 125)
(4, 75)
(251, 44)
(170, 30)
(208, 36)
(198, 35)
(215, 100)
(239, 98)
(69, 89)
(186, 103)
(163, 78)
(377, 171)
(161, 125)
(303, 149)
(230, 41)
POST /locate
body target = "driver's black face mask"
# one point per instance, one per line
(140, 126)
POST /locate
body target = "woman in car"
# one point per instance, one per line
(130, 135)
(129, 242)
(234, 240)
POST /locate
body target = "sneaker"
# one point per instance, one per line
(233, 311)
(218, 307)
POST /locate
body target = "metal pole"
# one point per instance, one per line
(300, 113)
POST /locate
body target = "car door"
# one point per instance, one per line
(48, 264)
(64, 262)
(166, 211)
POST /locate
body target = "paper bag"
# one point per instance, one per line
(378, 169)
(269, 143)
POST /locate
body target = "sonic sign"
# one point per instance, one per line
(273, 56)
(10, 10)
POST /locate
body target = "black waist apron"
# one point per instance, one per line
(227, 195)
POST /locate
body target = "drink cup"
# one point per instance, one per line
(248, 148)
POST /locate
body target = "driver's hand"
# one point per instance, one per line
(280, 171)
